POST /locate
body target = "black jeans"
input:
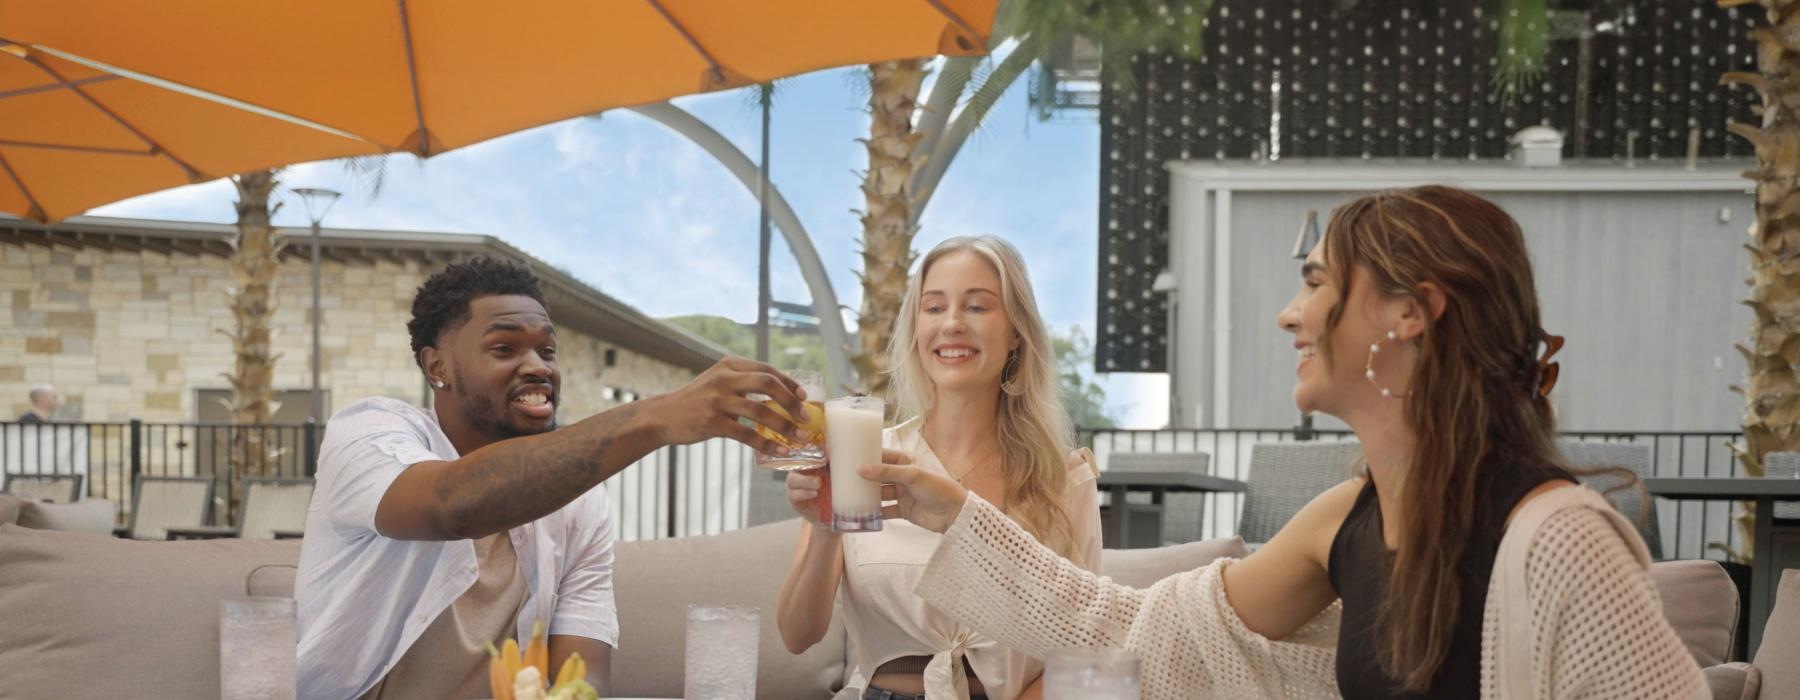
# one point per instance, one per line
(879, 694)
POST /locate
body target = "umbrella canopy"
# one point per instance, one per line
(102, 100)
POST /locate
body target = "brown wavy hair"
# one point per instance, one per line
(1473, 404)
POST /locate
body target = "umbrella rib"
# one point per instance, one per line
(37, 210)
(717, 73)
(412, 72)
(78, 149)
(954, 18)
(192, 173)
(213, 97)
(21, 92)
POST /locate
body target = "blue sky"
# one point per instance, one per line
(636, 210)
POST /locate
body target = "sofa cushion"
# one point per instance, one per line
(95, 515)
(1701, 603)
(271, 581)
(1781, 641)
(104, 617)
(1139, 568)
(654, 582)
(1734, 681)
(9, 508)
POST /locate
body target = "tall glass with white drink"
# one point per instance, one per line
(852, 439)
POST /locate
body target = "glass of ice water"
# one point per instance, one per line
(721, 652)
(257, 649)
(1091, 674)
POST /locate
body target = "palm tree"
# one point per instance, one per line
(255, 266)
(1771, 389)
(255, 262)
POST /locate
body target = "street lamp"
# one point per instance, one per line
(318, 201)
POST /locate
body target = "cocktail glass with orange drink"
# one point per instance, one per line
(806, 453)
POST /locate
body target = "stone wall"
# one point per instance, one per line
(136, 334)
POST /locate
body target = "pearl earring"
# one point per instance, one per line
(1369, 368)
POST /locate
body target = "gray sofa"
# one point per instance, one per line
(93, 616)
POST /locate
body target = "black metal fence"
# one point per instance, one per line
(673, 492)
(705, 488)
(1687, 527)
(110, 456)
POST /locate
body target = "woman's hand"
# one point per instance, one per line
(928, 499)
(809, 492)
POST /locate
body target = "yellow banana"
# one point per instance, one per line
(537, 651)
(509, 655)
(568, 670)
(498, 683)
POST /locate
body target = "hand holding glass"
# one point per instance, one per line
(802, 454)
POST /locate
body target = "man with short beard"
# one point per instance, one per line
(433, 533)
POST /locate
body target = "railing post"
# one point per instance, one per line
(1304, 431)
(312, 447)
(137, 449)
(674, 486)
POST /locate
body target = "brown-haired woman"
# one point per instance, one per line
(1467, 561)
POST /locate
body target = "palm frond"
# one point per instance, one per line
(1524, 45)
(859, 79)
(370, 171)
(946, 91)
(756, 95)
(993, 82)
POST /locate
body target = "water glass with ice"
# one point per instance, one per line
(721, 652)
(257, 649)
(1091, 674)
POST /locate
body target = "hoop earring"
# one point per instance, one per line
(1007, 385)
(1369, 368)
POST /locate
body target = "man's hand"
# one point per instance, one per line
(711, 404)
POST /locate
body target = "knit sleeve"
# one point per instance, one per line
(1599, 626)
(994, 577)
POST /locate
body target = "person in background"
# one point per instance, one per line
(44, 402)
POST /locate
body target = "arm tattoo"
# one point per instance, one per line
(515, 481)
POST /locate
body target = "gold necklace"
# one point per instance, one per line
(978, 465)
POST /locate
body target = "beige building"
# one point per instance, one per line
(127, 318)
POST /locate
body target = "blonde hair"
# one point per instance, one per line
(1033, 427)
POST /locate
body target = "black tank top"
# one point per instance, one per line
(1360, 563)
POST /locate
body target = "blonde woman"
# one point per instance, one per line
(972, 364)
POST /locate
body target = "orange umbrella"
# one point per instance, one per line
(102, 100)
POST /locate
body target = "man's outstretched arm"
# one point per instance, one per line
(516, 481)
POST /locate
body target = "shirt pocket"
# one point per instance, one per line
(899, 543)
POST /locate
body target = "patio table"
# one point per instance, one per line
(1764, 492)
(1117, 528)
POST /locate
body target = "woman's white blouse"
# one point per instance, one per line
(886, 621)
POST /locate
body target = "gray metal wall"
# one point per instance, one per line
(1644, 285)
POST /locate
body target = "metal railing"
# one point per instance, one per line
(1688, 526)
(654, 498)
(705, 488)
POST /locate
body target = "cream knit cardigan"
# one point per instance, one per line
(1571, 613)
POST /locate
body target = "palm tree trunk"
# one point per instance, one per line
(888, 226)
(254, 264)
(1771, 389)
